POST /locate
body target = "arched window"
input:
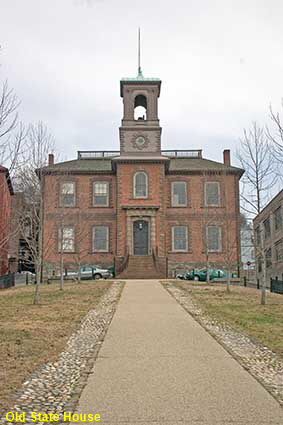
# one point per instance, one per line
(140, 107)
(140, 185)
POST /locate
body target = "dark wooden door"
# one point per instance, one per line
(140, 237)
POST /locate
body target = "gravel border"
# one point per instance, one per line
(262, 363)
(56, 387)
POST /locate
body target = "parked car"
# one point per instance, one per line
(200, 274)
(90, 272)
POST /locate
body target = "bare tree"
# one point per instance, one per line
(82, 250)
(260, 255)
(256, 159)
(12, 142)
(231, 227)
(29, 180)
(275, 136)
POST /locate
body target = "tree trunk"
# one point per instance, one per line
(207, 269)
(228, 289)
(263, 289)
(37, 283)
(79, 273)
(39, 253)
(61, 272)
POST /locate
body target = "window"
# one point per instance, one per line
(212, 194)
(101, 238)
(140, 105)
(213, 238)
(180, 238)
(66, 239)
(268, 257)
(67, 194)
(140, 185)
(179, 194)
(257, 236)
(101, 194)
(266, 225)
(279, 251)
(278, 219)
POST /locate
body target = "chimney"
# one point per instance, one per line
(51, 159)
(226, 157)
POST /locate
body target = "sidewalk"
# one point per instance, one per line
(158, 366)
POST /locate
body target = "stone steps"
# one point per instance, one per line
(140, 267)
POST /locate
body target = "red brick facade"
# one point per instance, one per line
(144, 201)
(6, 192)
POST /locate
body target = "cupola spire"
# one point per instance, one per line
(140, 74)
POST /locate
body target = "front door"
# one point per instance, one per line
(140, 237)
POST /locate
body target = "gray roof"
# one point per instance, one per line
(198, 164)
(105, 165)
(83, 165)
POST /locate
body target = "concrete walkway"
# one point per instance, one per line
(158, 366)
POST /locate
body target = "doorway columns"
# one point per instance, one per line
(138, 213)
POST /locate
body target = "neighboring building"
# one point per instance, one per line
(6, 192)
(20, 256)
(268, 234)
(149, 211)
(247, 246)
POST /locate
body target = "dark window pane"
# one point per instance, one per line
(179, 194)
(213, 238)
(180, 236)
(212, 193)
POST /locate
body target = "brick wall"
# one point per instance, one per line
(5, 212)
(195, 216)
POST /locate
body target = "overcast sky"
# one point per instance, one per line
(220, 61)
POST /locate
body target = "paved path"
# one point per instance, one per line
(158, 366)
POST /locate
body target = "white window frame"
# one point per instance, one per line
(93, 239)
(61, 194)
(93, 194)
(173, 203)
(206, 193)
(134, 185)
(173, 239)
(61, 239)
(219, 238)
(278, 223)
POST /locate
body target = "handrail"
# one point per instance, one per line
(125, 261)
(155, 259)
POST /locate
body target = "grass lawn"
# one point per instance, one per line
(242, 310)
(31, 335)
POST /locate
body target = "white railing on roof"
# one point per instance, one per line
(97, 154)
(190, 153)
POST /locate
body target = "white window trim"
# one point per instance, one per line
(60, 239)
(205, 194)
(134, 185)
(61, 195)
(173, 204)
(219, 238)
(173, 239)
(93, 239)
(93, 194)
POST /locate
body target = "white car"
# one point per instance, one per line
(90, 272)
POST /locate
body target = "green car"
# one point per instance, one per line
(200, 274)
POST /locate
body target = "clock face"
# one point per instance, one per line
(140, 141)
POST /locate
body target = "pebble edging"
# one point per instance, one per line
(262, 363)
(56, 386)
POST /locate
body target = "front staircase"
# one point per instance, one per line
(143, 267)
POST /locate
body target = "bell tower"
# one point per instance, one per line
(140, 132)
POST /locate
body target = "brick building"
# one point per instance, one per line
(6, 192)
(149, 211)
(268, 229)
